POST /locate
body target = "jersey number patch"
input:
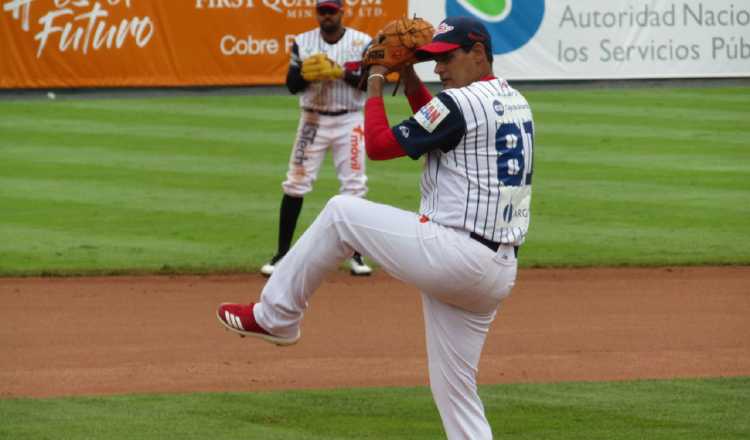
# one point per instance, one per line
(510, 143)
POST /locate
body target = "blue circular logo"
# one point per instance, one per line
(499, 107)
(511, 23)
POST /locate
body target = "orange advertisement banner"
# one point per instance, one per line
(127, 43)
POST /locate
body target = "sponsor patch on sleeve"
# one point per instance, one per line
(432, 114)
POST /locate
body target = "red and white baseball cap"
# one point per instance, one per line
(455, 32)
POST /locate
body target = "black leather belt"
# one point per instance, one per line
(493, 245)
(325, 113)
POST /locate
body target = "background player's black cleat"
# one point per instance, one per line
(357, 266)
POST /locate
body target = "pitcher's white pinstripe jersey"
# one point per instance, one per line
(484, 184)
(332, 96)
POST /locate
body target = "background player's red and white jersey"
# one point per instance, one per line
(483, 185)
(332, 96)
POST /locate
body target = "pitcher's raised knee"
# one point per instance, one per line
(341, 202)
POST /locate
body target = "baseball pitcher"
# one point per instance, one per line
(460, 250)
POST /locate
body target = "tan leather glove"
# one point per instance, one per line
(396, 44)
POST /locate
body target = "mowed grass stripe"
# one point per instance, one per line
(726, 98)
(141, 161)
(584, 128)
(655, 159)
(66, 251)
(563, 172)
(723, 100)
(153, 222)
(137, 198)
(20, 140)
(595, 144)
(232, 106)
(136, 238)
(645, 196)
(660, 410)
(143, 131)
(658, 162)
(655, 247)
(83, 238)
(254, 181)
(672, 114)
(276, 110)
(234, 111)
(641, 117)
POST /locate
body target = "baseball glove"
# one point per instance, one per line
(395, 45)
(319, 67)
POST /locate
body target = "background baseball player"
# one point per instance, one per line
(326, 66)
(460, 250)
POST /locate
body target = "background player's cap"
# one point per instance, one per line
(455, 32)
(329, 4)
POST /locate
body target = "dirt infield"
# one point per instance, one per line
(98, 336)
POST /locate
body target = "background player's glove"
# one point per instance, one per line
(395, 45)
(319, 68)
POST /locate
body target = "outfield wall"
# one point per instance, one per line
(145, 43)
(613, 39)
(111, 43)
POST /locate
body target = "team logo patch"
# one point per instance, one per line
(443, 28)
(499, 107)
(432, 114)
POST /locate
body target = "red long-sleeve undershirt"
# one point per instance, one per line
(419, 98)
(380, 142)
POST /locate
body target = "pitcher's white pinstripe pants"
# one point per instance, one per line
(462, 284)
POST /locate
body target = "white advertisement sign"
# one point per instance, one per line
(614, 39)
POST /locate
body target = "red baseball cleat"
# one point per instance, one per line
(239, 319)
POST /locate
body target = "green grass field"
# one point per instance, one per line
(655, 410)
(623, 177)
